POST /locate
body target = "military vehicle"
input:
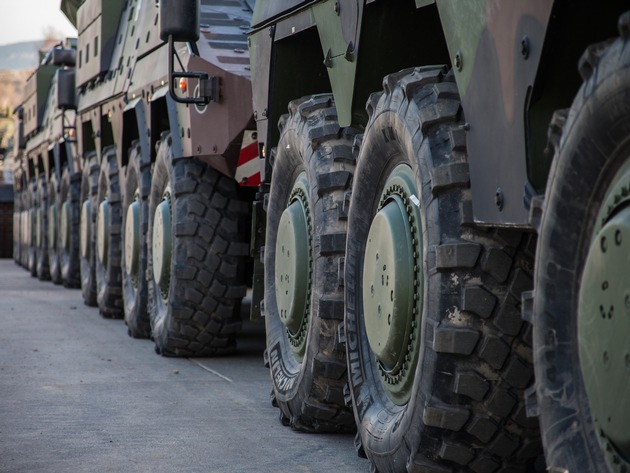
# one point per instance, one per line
(46, 169)
(433, 193)
(167, 144)
(446, 189)
(142, 197)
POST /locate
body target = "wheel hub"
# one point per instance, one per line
(86, 217)
(162, 244)
(293, 266)
(392, 284)
(603, 330)
(132, 238)
(38, 227)
(52, 226)
(102, 234)
(388, 285)
(64, 225)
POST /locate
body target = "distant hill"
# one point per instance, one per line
(19, 56)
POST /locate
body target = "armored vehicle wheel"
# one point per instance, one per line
(582, 287)
(32, 227)
(108, 238)
(134, 246)
(69, 228)
(89, 189)
(437, 351)
(198, 255)
(305, 244)
(41, 232)
(17, 213)
(53, 230)
(25, 220)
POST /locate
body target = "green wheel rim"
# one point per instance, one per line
(132, 240)
(162, 245)
(39, 218)
(52, 226)
(293, 267)
(86, 229)
(64, 226)
(604, 322)
(392, 284)
(102, 235)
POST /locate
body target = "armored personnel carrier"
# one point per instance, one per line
(168, 153)
(434, 194)
(46, 212)
(446, 195)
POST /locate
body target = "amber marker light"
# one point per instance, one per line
(183, 84)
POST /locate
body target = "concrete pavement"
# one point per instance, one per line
(78, 395)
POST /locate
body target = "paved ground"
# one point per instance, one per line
(78, 395)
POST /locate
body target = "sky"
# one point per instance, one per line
(27, 20)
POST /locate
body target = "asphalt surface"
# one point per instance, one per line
(79, 395)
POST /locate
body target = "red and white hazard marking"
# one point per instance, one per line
(249, 163)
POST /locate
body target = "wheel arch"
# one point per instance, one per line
(163, 117)
(134, 127)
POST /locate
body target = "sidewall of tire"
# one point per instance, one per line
(70, 191)
(285, 369)
(41, 246)
(108, 276)
(89, 185)
(576, 188)
(53, 245)
(135, 297)
(384, 422)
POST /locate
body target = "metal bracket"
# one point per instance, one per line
(208, 86)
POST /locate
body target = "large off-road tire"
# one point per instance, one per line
(89, 190)
(53, 230)
(17, 214)
(134, 246)
(438, 354)
(32, 227)
(41, 232)
(304, 251)
(198, 255)
(69, 228)
(108, 243)
(582, 296)
(25, 218)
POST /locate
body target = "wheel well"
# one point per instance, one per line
(417, 40)
(87, 137)
(572, 28)
(159, 123)
(298, 71)
(130, 134)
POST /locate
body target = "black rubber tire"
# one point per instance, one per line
(592, 148)
(17, 209)
(41, 244)
(135, 288)
(109, 273)
(53, 243)
(89, 190)
(201, 312)
(17, 203)
(465, 410)
(69, 258)
(24, 227)
(309, 392)
(32, 227)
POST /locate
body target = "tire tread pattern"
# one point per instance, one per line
(210, 258)
(474, 325)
